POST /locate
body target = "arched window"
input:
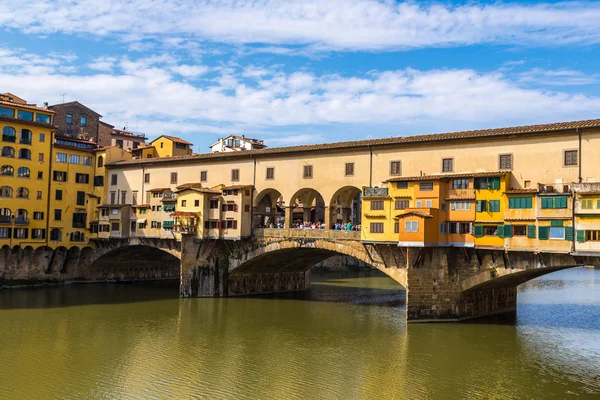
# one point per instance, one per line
(23, 172)
(21, 217)
(77, 236)
(8, 151)
(5, 215)
(7, 170)
(56, 234)
(25, 154)
(100, 162)
(23, 193)
(9, 134)
(25, 136)
(6, 191)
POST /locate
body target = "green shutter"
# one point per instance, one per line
(531, 231)
(501, 231)
(598, 203)
(556, 223)
(580, 235)
(494, 205)
(543, 232)
(563, 202)
(495, 183)
(480, 205)
(478, 231)
(546, 202)
(569, 233)
(528, 202)
(508, 231)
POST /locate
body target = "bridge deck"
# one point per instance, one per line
(306, 233)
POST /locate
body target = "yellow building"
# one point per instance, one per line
(587, 217)
(24, 172)
(489, 208)
(164, 146)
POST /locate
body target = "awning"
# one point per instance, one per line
(169, 207)
(141, 221)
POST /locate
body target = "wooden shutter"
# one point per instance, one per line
(478, 230)
(569, 233)
(543, 232)
(234, 224)
(235, 207)
(556, 223)
(546, 203)
(224, 207)
(508, 231)
(531, 231)
(501, 231)
(219, 224)
(580, 235)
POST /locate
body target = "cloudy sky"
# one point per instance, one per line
(294, 72)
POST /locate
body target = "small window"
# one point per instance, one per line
(8, 151)
(113, 197)
(443, 228)
(39, 195)
(270, 173)
(83, 121)
(203, 176)
(460, 184)
(57, 214)
(43, 137)
(308, 172)
(428, 203)
(490, 231)
(69, 119)
(396, 227)
(23, 172)
(9, 134)
(58, 194)
(40, 175)
(518, 230)
(146, 178)
(113, 179)
(61, 157)
(99, 180)
(426, 186)
(123, 197)
(505, 161)
(82, 178)
(401, 204)
(402, 185)
(447, 164)
(25, 154)
(570, 158)
(173, 178)
(213, 204)
(73, 159)
(196, 203)
(235, 175)
(395, 168)
(418, 203)
(349, 169)
(41, 157)
(411, 226)
(26, 115)
(376, 205)
(376, 227)
(100, 162)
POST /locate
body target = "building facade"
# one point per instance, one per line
(110, 137)
(236, 143)
(75, 120)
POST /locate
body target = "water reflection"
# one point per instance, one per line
(345, 338)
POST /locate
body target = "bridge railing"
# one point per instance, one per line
(306, 233)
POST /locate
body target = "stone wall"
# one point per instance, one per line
(75, 129)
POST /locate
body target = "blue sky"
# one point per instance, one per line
(297, 72)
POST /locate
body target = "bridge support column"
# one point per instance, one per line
(289, 216)
(201, 275)
(328, 212)
(434, 291)
(306, 214)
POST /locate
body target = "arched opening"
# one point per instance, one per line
(6, 191)
(100, 162)
(8, 151)
(5, 215)
(22, 193)
(307, 210)
(135, 263)
(22, 217)
(7, 170)
(25, 154)
(9, 134)
(269, 211)
(25, 136)
(23, 172)
(345, 208)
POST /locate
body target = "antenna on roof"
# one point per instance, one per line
(63, 96)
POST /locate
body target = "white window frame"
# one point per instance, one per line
(411, 226)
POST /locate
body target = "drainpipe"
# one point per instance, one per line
(49, 188)
(370, 165)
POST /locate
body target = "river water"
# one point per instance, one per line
(346, 338)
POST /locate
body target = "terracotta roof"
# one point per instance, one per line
(106, 123)
(375, 216)
(190, 185)
(199, 189)
(141, 206)
(406, 196)
(448, 176)
(158, 189)
(515, 191)
(587, 193)
(489, 222)
(171, 200)
(27, 106)
(184, 214)
(483, 133)
(376, 197)
(519, 218)
(461, 197)
(414, 213)
(172, 138)
(236, 187)
(75, 102)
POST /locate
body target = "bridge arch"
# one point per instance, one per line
(308, 205)
(344, 206)
(268, 208)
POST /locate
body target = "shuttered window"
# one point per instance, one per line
(554, 202)
(478, 231)
(349, 170)
(308, 172)
(520, 202)
(531, 231)
(377, 205)
(494, 205)
(376, 227)
(480, 205)
(395, 168)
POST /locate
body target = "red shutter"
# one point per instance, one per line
(235, 192)
(224, 207)
(234, 224)
(219, 224)
(235, 208)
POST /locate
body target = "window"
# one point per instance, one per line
(402, 185)
(9, 134)
(38, 195)
(6, 191)
(557, 232)
(211, 224)
(555, 202)
(443, 228)
(25, 136)
(23, 172)
(162, 145)
(490, 231)
(82, 178)
(460, 184)
(58, 194)
(42, 137)
(376, 227)
(73, 159)
(519, 202)
(418, 203)
(57, 214)
(40, 175)
(56, 235)
(20, 233)
(494, 205)
(61, 157)
(43, 118)
(59, 176)
(114, 226)
(247, 208)
(505, 161)
(99, 180)
(123, 197)
(7, 112)
(146, 178)
(113, 197)
(7, 170)
(41, 157)
(22, 193)
(183, 203)
(458, 228)
(182, 146)
(587, 204)
(401, 204)
(349, 169)
(203, 176)
(38, 215)
(411, 226)
(428, 203)
(517, 230)
(100, 162)
(196, 203)
(592, 236)
(235, 175)
(69, 119)
(308, 172)
(5, 232)
(26, 115)
(426, 186)
(230, 224)
(491, 183)
(460, 205)
(213, 204)
(38, 234)
(136, 145)
(79, 220)
(270, 173)
(174, 178)
(480, 205)
(134, 198)
(80, 198)
(86, 160)
(395, 168)
(447, 164)
(114, 211)
(83, 121)
(229, 207)
(376, 205)
(8, 151)
(113, 179)
(570, 158)
(119, 143)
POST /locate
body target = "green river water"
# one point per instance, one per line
(345, 338)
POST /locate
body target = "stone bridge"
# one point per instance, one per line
(442, 284)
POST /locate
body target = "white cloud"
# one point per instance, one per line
(105, 64)
(190, 71)
(331, 24)
(560, 77)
